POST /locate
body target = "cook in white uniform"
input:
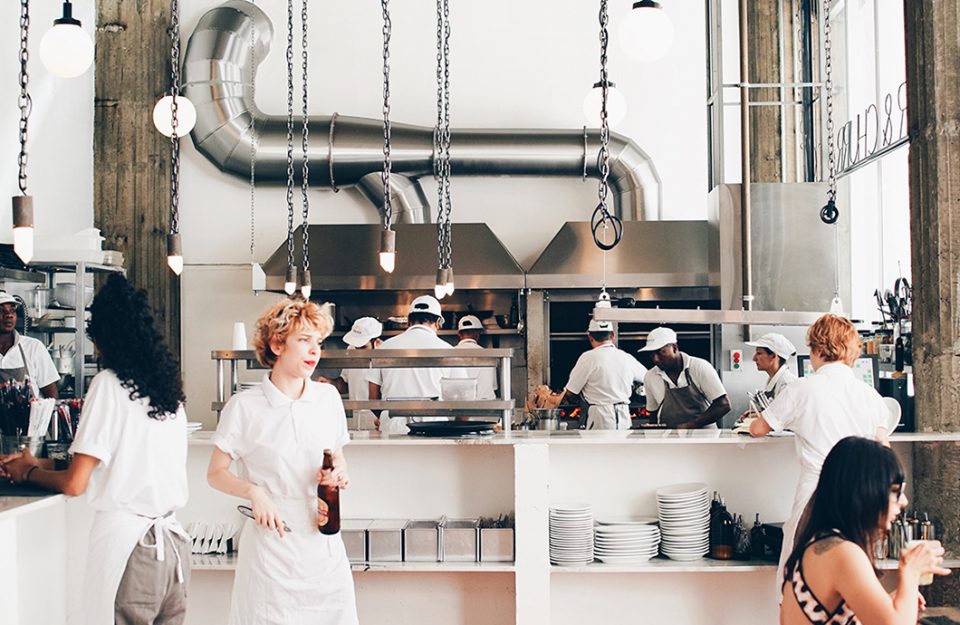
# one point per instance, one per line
(772, 352)
(364, 334)
(276, 435)
(129, 456)
(22, 357)
(469, 328)
(684, 391)
(424, 319)
(821, 409)
(605, 376)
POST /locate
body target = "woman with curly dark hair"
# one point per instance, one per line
(130, 456)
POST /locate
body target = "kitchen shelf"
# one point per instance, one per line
(661, 564)
(228, 562)
(487, 331)
(68, 267)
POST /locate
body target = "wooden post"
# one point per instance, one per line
(132, 159)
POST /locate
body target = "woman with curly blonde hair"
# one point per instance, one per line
(821, 409)
(288, 572)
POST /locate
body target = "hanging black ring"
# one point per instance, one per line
(829, 214)
(601, 220)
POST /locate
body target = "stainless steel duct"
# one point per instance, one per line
(346, 151)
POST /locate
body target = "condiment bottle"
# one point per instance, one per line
(331, 496)
(721, 534)
(758, 538)
(926, 528)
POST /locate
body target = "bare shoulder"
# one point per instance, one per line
(840, 554)
(827, 544)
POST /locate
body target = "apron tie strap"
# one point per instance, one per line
(161, 525)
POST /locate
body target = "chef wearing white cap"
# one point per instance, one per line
(772, 351)
(364, 334)
(469, 329)
(605, 377)
(21, 357)
(684, 391)
(424, 320)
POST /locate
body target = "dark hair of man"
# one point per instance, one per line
(600, 337)
(768, 352)
(415, 318)
(470, 333)
(129, 344)
(852, 496)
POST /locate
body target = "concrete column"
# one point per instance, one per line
(933, 102)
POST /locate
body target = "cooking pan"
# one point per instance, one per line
(451, 428)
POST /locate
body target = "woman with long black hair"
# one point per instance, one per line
(129, 456)
(829, 577)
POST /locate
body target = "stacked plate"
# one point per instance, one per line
(626, 540)
(684, 511)
(571, 534)
(194, 426)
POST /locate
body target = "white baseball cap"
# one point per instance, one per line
(469, 322)
(426, 304)
(776, 343)
(6, 298)
(600, 326)
(659, 338)
(364, 330)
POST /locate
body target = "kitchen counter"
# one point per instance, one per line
(12, 506)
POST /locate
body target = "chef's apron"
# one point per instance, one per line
(681, 404)
(113, 537)
(18, 374)
(608, 416)
(303, 578)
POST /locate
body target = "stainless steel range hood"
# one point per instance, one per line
(651, 254)
(344, 257)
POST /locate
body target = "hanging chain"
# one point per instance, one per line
(174, 122)
(385, 174)
(253, 145)
(290, 260)
(441, 137)
(438, 141)
(24, 101)
(829, 213)
(305, 185)
(602, 219)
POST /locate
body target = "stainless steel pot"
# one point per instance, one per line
(546, 418)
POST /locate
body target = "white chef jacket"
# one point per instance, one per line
(141, 477)
(39, 363)
(486, 377)
(605, 375)
(783, 378)
(358, 390)
(821, 409)
(704, 376)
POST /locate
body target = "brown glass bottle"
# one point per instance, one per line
(331, 496)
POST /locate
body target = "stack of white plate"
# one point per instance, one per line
(684, 511)
(571, 534)
(626, 540)
(194, 426)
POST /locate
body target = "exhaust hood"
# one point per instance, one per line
(651, 254)
(344, 257)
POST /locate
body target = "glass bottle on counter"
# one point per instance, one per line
(758, 539)
(742, 539)
(722, 541)
(331, 496)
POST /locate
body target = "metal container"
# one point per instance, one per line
(546, 418)
(460, 540)
(421, 541)
(354, 533)
(385, 540)
(496, 544)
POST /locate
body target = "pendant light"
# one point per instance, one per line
(258, 279)
(174, 113)
(441, 139)
(646, 33)
(305, 285)
(174, 243)
(66, 49)
(290, 283)
(616, 105)
(388, 238)
(830, 214)
(23, 203)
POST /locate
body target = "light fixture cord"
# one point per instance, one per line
(829, 214)
(290, 259)
(305, 145)
(385, 174)
(253, 145)
(24, 102)
(174, 122)
(602, 219)
(442, 137)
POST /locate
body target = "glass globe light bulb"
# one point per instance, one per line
(616, 106)
(66, 49)
(186, 116)
(646, 33)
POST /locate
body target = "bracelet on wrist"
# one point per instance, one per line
(26, 476)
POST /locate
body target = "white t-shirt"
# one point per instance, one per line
(704, 376)
(783, 378)
(605, 375)
(486, 377)
(419, 383)
(823, 408)
(143, 461)
(278, 442)
(41, 368)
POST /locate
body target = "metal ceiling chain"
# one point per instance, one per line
(602, 221)
(385, 174)
(305, 144)
(442, 137)
(174, 122)
(24, 102)
(290, 259)
(829, 213)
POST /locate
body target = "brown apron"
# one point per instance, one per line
(681, 404)
(18, 374)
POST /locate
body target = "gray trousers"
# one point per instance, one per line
(149, 593)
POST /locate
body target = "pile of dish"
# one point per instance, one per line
(626, 540)
(684, 511)
(571, 534)
(194, 426)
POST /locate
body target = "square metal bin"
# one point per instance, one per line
(421, 541)
(385, 540)
(496, 544)
(354, 533)
(460, 540)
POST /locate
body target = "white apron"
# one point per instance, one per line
(113, 538)
(303, 578)
(805, 489)
(608, 417)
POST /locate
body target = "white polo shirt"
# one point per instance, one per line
(783, 378)
(41, 369)
(418, 383)
(605, 375)
(486, 377)
(704, 376)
